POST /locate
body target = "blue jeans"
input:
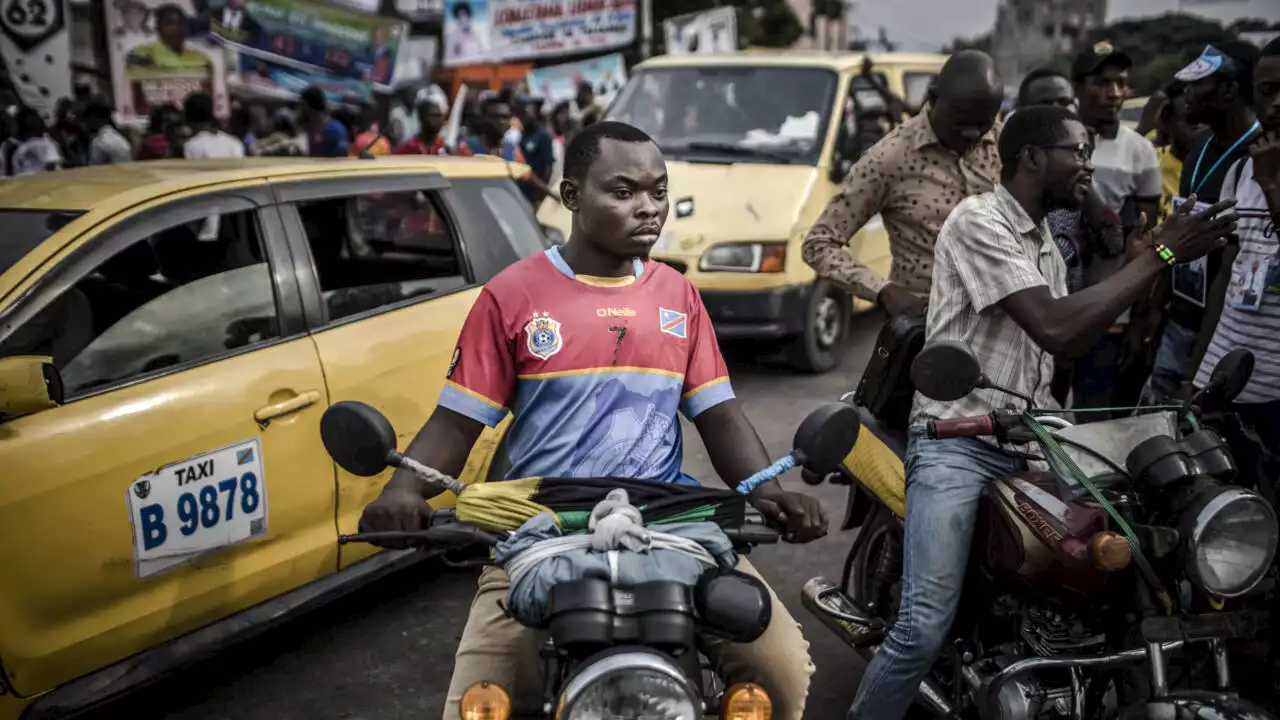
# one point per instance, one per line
(945, 479)
(1172, 358)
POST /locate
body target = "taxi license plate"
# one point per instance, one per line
(196, 506)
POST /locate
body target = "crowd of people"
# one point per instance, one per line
(517, 127)
(1088, 266)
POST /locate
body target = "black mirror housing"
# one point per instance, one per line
(358, 437)
(946, 370)
(1231, 374)
(826, 437)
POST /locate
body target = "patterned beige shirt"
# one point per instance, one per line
(988, 250)
(913, 182)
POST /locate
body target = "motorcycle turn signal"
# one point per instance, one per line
(746, 702)
(1109, 551)
(485, 701)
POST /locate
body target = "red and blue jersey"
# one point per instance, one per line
(593, 370)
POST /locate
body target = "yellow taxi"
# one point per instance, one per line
(757, 143)
(170, 334)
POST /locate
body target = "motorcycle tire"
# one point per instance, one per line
(875, 579)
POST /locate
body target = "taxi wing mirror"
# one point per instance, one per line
(359, 438)
(826, 437)
(28, 384)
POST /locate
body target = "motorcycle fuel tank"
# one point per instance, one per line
(1027, 531)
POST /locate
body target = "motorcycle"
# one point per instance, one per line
(1077, 581)
(611, 650)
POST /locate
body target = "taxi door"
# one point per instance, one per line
(183, 478)
(386, 313)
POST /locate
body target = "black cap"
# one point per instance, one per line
(1101, 55)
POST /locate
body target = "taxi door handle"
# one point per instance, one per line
(266, 414)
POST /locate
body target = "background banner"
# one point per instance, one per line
(558, 83)
(160, 52)
(481, 31)
(711, 31)
(310, 37)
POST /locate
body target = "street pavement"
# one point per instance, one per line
(385, 652)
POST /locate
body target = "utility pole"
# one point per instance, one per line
(646, 28)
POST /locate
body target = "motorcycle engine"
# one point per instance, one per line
(1051, 632)
(1045, 632)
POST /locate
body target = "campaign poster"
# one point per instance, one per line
(489, 31)
(160, 53)
(310, 37)
(712, 31)
(558, 83)
(272, 81)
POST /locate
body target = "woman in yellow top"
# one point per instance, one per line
(170, 51)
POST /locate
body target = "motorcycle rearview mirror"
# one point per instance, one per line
(826, 437)
(1231, 374)
(359, 438)
(947, 370)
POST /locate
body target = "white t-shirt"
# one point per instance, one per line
(36, 155)
(1126, 168)
(109, 147)
(212, 144)
(208, 144)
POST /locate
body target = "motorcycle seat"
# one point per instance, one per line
(876, 462)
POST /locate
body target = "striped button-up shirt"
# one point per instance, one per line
(989, 249)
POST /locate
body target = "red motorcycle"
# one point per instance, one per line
(1131, 552)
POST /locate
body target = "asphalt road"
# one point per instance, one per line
(385, 652)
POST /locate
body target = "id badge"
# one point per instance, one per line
(1249, 280)
(1191, 279)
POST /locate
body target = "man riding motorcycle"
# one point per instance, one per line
(999, 287)
(594, 348)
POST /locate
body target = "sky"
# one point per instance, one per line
(967, 18)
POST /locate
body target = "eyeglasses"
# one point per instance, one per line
(1083, 151)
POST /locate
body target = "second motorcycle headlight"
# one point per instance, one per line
(1231, 540)
(629, 685)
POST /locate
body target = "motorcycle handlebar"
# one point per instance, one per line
(752, 534)
(972, 426)
(436, 535)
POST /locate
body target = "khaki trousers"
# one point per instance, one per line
(499, 649)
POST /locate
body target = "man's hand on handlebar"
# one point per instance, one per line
(396, 510)
(800, 516)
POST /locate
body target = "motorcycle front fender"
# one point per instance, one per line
(1198, 705)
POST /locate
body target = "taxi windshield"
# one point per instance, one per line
(25, 229)
(731, 113)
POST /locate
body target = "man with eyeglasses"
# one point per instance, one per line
(999, 286)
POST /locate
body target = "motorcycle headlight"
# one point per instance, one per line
(629, 686)
(744, 257)
(1231, 540)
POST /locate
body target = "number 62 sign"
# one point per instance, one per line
(30, 22)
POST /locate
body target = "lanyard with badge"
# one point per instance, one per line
(1191, 280)
(1255, 271)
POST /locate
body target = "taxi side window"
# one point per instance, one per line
(915, 87)
(862, 124)
(380, 249)
(186, 294)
